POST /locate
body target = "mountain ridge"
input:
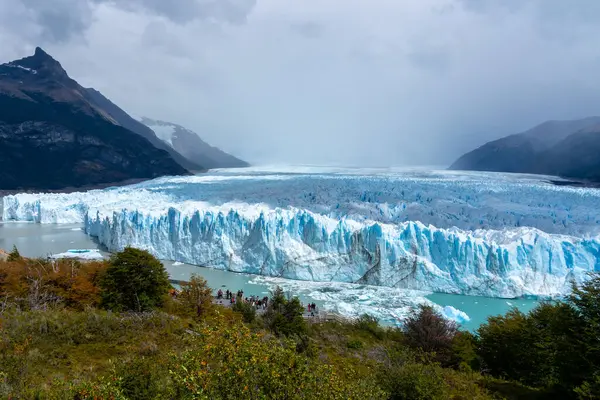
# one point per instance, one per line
(53, 136)
(541, 150)
(191, 145)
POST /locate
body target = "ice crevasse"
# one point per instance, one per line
(299, 244)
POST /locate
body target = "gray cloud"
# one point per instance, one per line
(558, 11)
(308, 29)
(184, 11)
(391, 82)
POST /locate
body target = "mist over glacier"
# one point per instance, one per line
(489, 234)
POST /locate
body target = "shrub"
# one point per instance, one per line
(233, 363)
(248, 311)
(370, 324)
(284, 316)
(14, 255)
(427, 330)
(547, 348)
(134, 281)
(195, 296)
(464, 352)
(141, 378)
(39, 283)
(422, 381)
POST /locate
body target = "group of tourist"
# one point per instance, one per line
(254, 301)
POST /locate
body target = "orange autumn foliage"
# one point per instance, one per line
(38, 283)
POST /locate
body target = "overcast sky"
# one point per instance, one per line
(362, 82)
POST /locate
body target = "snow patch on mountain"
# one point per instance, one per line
(164, 132)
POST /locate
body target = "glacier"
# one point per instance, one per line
(499, 235)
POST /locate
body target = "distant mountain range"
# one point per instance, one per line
(569, 149)
(54, 133)
(189, 144)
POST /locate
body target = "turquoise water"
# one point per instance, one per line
(39, 240)
(218, 279)
(480, 308)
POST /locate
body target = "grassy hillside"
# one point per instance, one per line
(61, 338)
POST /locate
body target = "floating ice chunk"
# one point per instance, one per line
(456, 315)
(84, 254)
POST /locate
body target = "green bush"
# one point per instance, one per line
(233, 363)
(14, 255)
(370, 324)
(134, 281)
(354, 344)
(142, 379)
(247, 310)
(556, 346)
(284, 316)
(195, 296)
(421, 381)
(464, 352)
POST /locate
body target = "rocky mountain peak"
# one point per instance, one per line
(41, 63)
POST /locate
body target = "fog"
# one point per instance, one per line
(353, 82)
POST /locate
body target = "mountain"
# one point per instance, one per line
(189, 144)
(577, 156)
(53, 135)
(554, 148)
(126, 121)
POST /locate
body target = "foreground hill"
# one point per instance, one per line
(189, 144)
(565, 148)
(53, 135)
(115, 330)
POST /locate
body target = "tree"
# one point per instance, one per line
(134, 281)
(247, 310)
(585, 300)
(555, 346)
(196, 296)
(427, 330)
(369, 323)
(14, 255)
(284, 316)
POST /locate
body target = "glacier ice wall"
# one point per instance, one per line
(299, 244)
(502, 235)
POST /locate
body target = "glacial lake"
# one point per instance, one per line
(42, 240)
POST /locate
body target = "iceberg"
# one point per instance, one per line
(80, 254)
(454, 314)
(489, 234)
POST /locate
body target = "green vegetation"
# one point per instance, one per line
(134, 281)
(556, 347)
(14, 255)
(110, 330)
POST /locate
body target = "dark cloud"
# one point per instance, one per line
(58, 20)
(184, 11)
(388, 82)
